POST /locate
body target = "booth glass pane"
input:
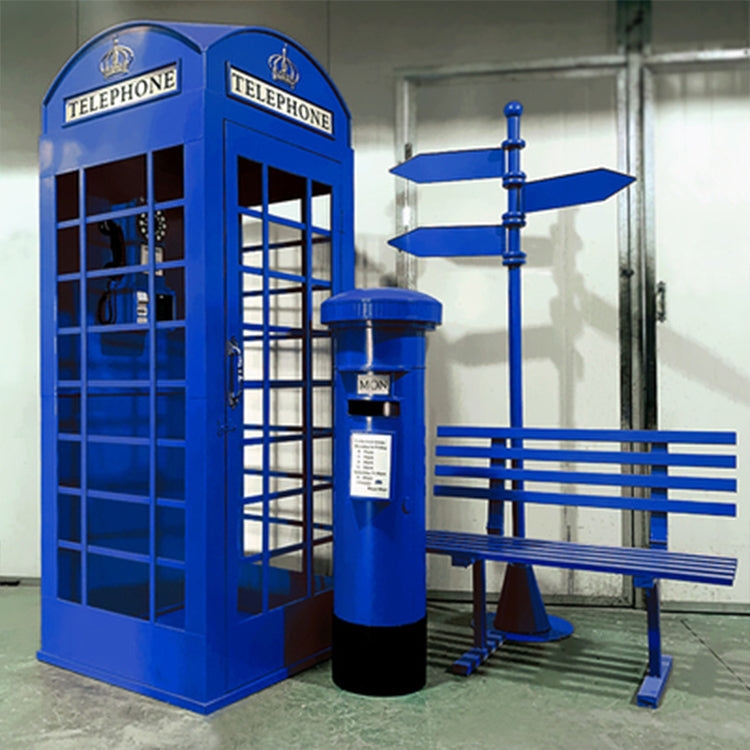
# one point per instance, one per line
(118, 525)
(69, 357)
(118, 585)
(170, 414)
(250, 589)
(118, 413)
(250, 184)
(252, 411)
(170, 354)
(170, 533)
(108, 244)
(172, 246)
(69, 575)
(321, 357)
(252, 530)
(321, 206)
(322, 567)
(251, 234)
(286, 410)
(68, 304)
(68, 517)
(69, 412)
(116, 185)
(286, 359)
(321, 259)
(170, 302)
(322, 461)
(68, 250)
(118, 355)
(285, 247)
(170, 473)
(168, 171)
(66, 194)
(286, 521)
(286, 195)
(170, 596)
(287, 579)
(117, 467)
(322, 407)
(287, 311)
(69, 464)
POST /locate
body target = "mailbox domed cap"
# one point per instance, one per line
(388, 304)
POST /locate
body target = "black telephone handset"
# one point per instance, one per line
(106, 310)
(114, 231)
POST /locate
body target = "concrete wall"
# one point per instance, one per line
(570, 300)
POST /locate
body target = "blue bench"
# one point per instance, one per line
(641, 467)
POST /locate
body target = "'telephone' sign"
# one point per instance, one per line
(253, 90)
(122, 94)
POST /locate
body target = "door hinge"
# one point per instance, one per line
(661, 302)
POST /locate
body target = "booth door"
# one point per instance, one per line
(280, 244)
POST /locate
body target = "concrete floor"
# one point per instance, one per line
(577, 693)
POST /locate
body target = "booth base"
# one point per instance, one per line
(376, 660)
(180, 700)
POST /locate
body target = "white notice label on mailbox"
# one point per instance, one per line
(370, 465)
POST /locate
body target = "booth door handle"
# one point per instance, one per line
(234, 355)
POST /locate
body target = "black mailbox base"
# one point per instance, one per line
(376, 660)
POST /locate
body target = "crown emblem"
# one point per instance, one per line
(117, 60)
(283, 69)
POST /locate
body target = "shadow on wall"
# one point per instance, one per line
(572, 309)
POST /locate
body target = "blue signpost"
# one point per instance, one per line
(521, 614)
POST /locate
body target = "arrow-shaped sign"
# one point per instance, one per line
(447, 166)
(430, 242)
(573, 189)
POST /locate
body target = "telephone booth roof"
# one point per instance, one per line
(156, 81)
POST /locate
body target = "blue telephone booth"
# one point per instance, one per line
(196, 210)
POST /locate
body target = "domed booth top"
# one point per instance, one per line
(380, 305)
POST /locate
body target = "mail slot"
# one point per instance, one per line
(379, 622)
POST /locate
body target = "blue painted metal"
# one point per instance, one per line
(573, 189)
(449, 166)
(434, 242)
(646, 566)
(498, 451)
(587, 435)
(379, 492)
(144, 508)
(636, 561)
(486, 639)
(657, 480)
(588, 501)
(659, 665)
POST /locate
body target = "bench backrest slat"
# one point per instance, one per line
(604, 436)
(628, 458)
(650, 481)
(589, 501)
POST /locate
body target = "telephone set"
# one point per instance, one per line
(125, 297)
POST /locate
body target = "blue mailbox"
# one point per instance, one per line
(196, 210)
(379, 622)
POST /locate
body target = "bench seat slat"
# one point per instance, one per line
(612, 436)
(629, 458)
(652, 481)
(566, 551)
(620, 560)
(659, 505)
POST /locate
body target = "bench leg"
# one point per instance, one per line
(486, 641)
(659, 666)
